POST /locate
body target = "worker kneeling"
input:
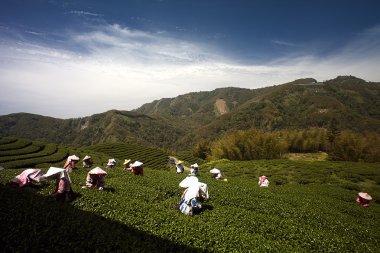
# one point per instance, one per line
(27, 177)
(137, 168)
(95, 178)
(195, 193)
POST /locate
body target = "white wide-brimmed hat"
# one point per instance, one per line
(126, 161)
(54, 171)
(97, 171)
(188, 181)
(86, 157)
(194, 165)
(73, 158)
(365, 195)
(214, 171)
(137, 164)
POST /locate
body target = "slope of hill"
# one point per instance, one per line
(199, 108)
(354, 103)
(111, 126)
(178, 123)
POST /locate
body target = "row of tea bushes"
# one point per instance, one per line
(151, 157)
(20, 153)
(238, 217)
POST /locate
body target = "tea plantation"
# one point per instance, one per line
(309, 207)
(153, 158)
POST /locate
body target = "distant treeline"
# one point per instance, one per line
(255, 144)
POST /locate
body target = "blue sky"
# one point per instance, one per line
(76, 58)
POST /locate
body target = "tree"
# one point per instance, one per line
(333, 132)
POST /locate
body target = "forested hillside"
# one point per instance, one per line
(180, 123)
(353, 103)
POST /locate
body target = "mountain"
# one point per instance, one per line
(199, 108)
(178, 123)
(353, 102)
(111, 126)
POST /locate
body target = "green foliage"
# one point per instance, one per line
(20, 143)
(255, 144)
(32, 148)
(354, 103)
(22, 153)
(309, 206)
(7, 140)
(248, 145)
(41, 154)
(46, 150)
(189, 158)
(356, 147)
(202, 149)
(151, 157)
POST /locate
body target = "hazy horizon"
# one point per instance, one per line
(70, 59)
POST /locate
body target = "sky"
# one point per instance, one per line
(75, 58)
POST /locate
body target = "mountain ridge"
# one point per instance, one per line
(178, 123)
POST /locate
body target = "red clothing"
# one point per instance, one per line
(138, 170)
(362, 202)
(70, 165)
(63, 190)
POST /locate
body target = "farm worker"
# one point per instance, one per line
(194, 170)
(137, 168)
(95, 178)
(27, 177)
(216, 173)
(87, 161)
(71, 163)
(63, 191)
(263, 181)
(195, 193)
(179, 167)
(364, 199)
(111, 163)
(127, 164)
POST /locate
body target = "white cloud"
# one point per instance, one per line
(123, 69)
(85, 13)
(283, 43)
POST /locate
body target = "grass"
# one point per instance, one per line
(319, 156)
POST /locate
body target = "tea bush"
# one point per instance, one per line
(19, 143)
(33, 148)
(309, 207)
(7, 140)
(151, 157)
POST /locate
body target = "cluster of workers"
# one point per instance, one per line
(194, 193)
(194, 170)
(63, 191)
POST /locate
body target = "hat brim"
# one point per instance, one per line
(365, 196)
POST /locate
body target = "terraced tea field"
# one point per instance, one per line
(309, 207)
(20, 153)
(151, 157)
